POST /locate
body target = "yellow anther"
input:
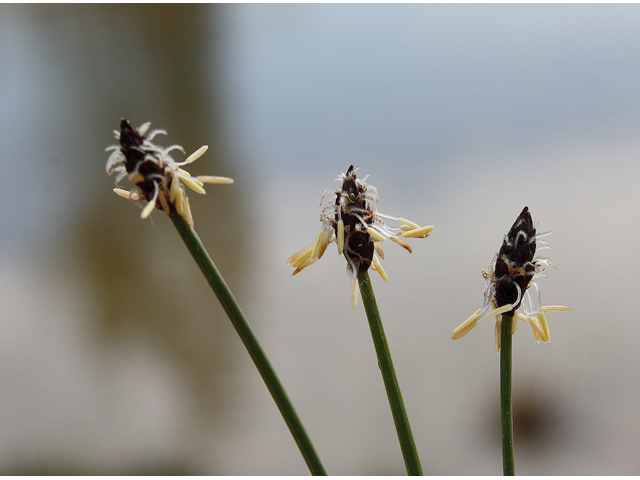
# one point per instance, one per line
(146, 211)
(316, 246)
(499, 310)
(186, 210)
(536, 335)
(514, 324)
(422, 232)
(196, 155)
(214, 179)
(340, 237)
(544, 325)
(191, 182)
(377, 236)
(354, 293)
(163, 202)
(304, 265)
(300, 257)
(178, 197)
(538, 332)
(326, 239)
(554, 308)
(408, 223)
(123, 193)
(402, 244)
(378, 268)
(174, 189)
(467, 325)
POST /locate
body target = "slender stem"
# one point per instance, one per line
(506, 414)
(407, 444)
(239, 321)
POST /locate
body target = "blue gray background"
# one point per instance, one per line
(114, 358)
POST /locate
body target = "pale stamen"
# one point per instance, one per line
(354, 293)
(554, 308)
(177, 192)
(151, 205)
(195, 155)
(499, 311)
(327, 237)
(165, 205)
(467, 325)
(191, 182)
(300, 257)
(123, 193)
(304, 265)
(316, 246)
(545, 326)
(402, 244)
(422, 232)
(214, 179)
(538, 331)
(378, 268)
(186, 210)
(377, 236)
(340, 236)
(408, 223)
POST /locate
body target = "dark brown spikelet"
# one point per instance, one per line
(514, 264)
(358, 244)
(131, 145)
(138, 159)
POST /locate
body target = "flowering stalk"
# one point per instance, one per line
(158, 179)
(403, 428)
(510, 281)
(352, 221)
(506, 408)
(156, 176)
(242, 326)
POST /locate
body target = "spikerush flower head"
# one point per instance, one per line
(351, 221)
(156, 176)
(511, 286)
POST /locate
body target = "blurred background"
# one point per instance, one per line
(115, 357)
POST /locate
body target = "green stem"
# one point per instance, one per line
(506, 414)
(239, 321)
(407, 444)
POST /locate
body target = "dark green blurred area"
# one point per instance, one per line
(145, 63)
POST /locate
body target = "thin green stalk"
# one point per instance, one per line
(407, 444)
(239, 321)
(506, 413)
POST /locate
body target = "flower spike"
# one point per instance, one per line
(511, 281)
(353, 223)
(156, 175)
